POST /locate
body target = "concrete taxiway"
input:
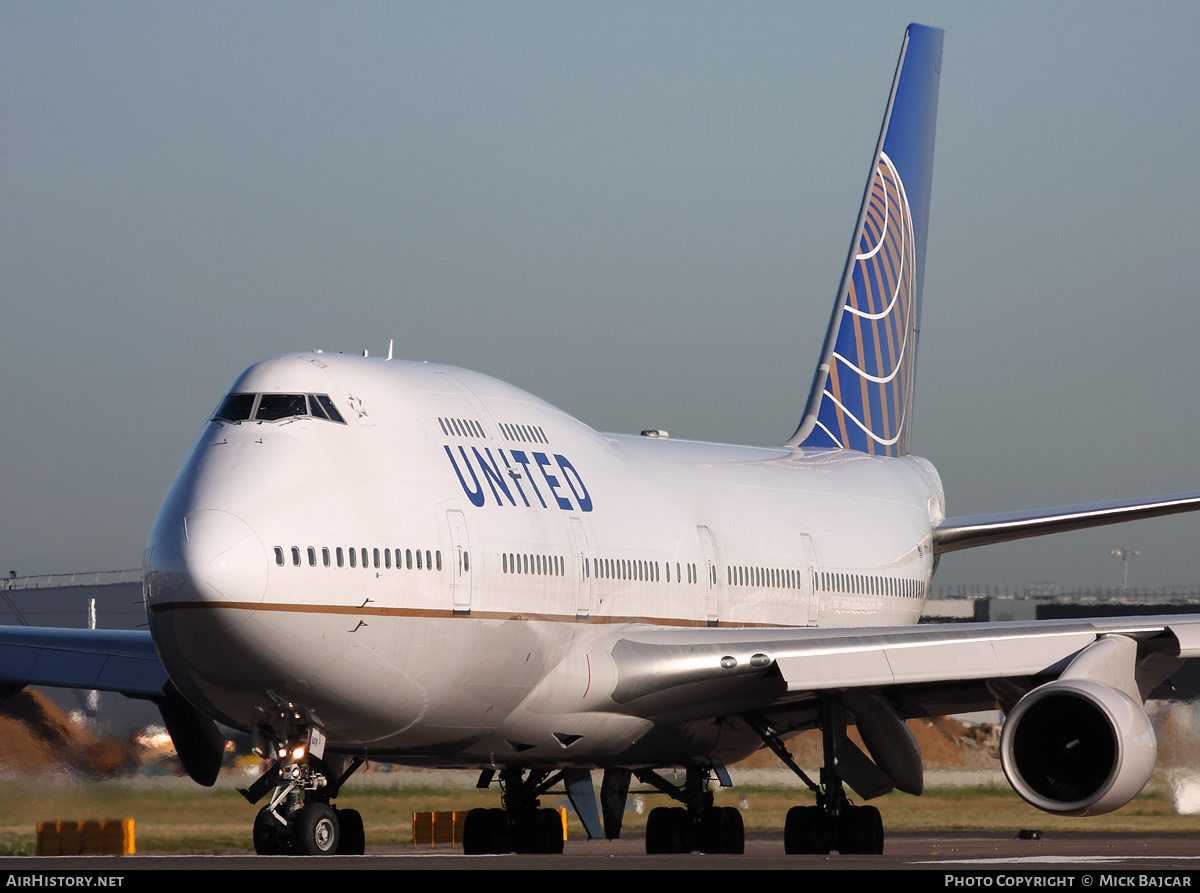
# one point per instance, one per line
(946, 852)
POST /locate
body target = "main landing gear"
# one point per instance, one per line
(521, 826)
(698, 825)
(302, 780)
(834, 823)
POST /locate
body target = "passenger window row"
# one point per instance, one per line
(637, 569)
(400, 559)
(868, 584)
(764, 577)
(542, 565)
(601, 569)
(461, 427)
(239, 408)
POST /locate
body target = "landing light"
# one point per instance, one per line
(298, 753)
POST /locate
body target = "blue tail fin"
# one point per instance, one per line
(862, 393)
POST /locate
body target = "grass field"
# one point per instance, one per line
(175, 816)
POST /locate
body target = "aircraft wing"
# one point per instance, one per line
(683, 673)
(122, 661)
(1069, 688)
(953, 534)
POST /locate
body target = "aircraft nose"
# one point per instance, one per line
(207, 556)
(205, 575)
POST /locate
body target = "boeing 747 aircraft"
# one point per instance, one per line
(363, 558)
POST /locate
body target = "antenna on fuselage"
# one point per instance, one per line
(391, 341)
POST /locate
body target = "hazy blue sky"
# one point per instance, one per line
(638, 211)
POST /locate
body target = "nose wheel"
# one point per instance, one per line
(315, 830)
(267, 839)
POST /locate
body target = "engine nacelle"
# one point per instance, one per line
(1078, 747)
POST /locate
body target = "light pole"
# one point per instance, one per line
(1124, 554)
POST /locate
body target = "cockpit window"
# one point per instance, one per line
(272, 407)
(236, 408)
(330, 409)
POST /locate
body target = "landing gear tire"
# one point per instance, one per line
(860, 831)
(803, 831)
(352, 838)
(739, 831)
(553, 840)
(872, 825)
(849, 836)
(666, 830)
(531, 829)
(485, 833)
(476, 833)
(266, 834)
(722, 831)
(539, 831)
(315, 830)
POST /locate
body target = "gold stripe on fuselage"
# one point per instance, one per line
(354, 610)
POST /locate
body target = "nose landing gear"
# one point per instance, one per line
(299, 818)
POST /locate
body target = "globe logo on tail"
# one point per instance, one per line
(867, 393)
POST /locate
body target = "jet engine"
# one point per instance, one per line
(1078, 747)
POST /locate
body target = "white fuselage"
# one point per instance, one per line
(545, 538)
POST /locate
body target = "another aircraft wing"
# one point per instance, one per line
(953, 534)
(122, 661)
